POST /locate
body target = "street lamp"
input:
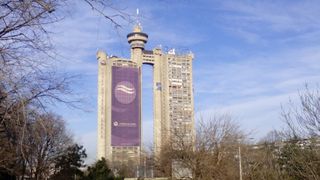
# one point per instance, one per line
(239, 155)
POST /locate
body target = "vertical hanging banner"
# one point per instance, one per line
(125, 127)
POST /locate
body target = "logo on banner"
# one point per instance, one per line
(125, 92)
(124, 124)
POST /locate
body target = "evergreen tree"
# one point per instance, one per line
(68, 164)
(100, 171)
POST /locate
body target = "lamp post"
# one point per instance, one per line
(239, 155)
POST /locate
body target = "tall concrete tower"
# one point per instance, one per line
(119, 99)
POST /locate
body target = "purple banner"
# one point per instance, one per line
(125, 127)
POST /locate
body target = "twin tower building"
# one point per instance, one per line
(119, 99)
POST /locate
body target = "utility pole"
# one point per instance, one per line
(240, 166)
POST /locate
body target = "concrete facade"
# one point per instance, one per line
(173, 107)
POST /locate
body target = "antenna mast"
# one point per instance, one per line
(138, 17)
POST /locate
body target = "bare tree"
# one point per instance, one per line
(294, 152)
(300, 154)
(261, 159)
(24, 33)
(33, 146)
(46, 140)
(212, 155)
(26, 84)
(25, 51)
(110, 12)
(303, 119)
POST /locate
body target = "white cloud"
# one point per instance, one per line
(248, 36)
(253, 88)
(259, 115)
(269, 21)
(78, 37)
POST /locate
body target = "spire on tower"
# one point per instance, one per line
(137, 26)
(137, 38)
(138, 16)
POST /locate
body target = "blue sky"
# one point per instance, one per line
(250, 56)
